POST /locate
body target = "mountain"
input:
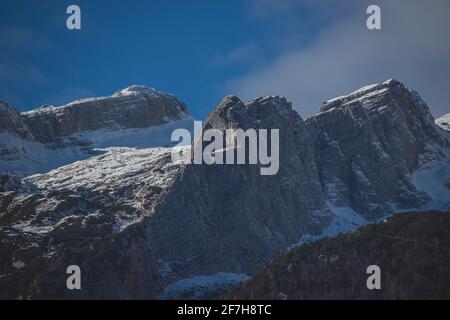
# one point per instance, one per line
(133, 107)
(371, 142)
(49, 137)
(411, 250)
(140, 226)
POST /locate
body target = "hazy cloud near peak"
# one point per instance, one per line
(69, 94)
(413, 46)
(237, 55)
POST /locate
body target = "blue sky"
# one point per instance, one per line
(188, 48)
(200, 51)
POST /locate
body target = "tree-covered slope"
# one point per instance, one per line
(411, 249)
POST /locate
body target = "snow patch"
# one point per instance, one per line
(30, 157)
(18, 264)
(434, 180)
(157, 136)
(345, 220)
(27, 156)
(197, 287)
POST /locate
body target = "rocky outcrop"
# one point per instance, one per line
(138, 224)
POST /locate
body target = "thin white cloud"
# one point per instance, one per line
(413, 46)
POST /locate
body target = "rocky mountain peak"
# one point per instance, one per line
(444, 122)
(262, 112)
(136, 88)
(383, 105)
(378, 133)
(368, 91)
(132, 107)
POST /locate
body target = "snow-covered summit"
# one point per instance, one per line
(135, 89)
(444, 122)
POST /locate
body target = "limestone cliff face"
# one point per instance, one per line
(138, 224)
(369, 142)
(217, 211)
(133, 107)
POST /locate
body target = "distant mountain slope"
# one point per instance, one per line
(411, 249)
(49, 137)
